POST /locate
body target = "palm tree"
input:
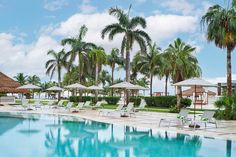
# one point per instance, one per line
(221, 30)
(165, 69)
(57, 62)
(183, 63)
(35, 80)
(112, 60)
(104, 78)
(80, 49)
(130, 28)
(21, 78)
(149, 63)
(98, 58)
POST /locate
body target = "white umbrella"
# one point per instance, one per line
(124, 85)
(138, 87)
(76, 86)
(55, 88)
(29, 86)
(195, 82)
(93, 87)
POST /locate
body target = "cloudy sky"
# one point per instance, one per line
(29, 28)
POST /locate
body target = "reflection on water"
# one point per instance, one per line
(64, 137)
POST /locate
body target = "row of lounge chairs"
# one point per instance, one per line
(183, 119)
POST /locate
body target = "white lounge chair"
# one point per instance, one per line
(69, 106)
(141, 106)
(24, 105)
(87, 104)
(182, 117)
(107, 112)
(79, 107)
(128, 111)
(98, 105)
(206, 118)
(37, 104)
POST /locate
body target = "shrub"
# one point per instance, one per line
(226, 108)
(161, 101)
(185, 102)
(84, 98)
(112, 100)
(136, 100)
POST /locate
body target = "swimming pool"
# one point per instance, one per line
(35, 135)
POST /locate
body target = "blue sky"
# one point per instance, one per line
(29, 28)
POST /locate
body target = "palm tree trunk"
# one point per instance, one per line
(80, 75)
(151, 77)
(166, 82)
(127, 64)
(96, 81)
(112, 77)
(179, 95)
(229, 77)
(59, 83)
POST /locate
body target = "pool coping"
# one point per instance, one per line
(160, 129)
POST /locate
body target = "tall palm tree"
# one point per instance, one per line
(130, 29)
(105, 77)
(183, 63)
(165, 69)
(98, 58)
(80, 49)
(35, 80)
(112, 60)
(21, 78)
(221, 30)
(57, 62)
(149, 63)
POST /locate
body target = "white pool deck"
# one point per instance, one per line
(226, 129)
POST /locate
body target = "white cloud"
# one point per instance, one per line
(53, 5)
(26, 58)
(182, 6)
(86, 7)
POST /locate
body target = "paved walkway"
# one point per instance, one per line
(225, 130)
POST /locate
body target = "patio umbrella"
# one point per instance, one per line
(76, 86)
(29, 87)
(93, 87)
(195, 82)
(127, 86)
(56, 89)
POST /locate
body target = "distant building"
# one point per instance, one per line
(222, 86)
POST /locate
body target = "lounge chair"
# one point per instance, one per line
(206, 118)
(182, 117)
(24, 105)
(141, 106)
(128, 111)
(107, 112)
(87, 104)
(69, 106)
(98, 105)
(37, 104)
(79, 107)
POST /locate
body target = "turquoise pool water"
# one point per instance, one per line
(33, 135)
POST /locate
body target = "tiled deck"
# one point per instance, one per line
(225, 130)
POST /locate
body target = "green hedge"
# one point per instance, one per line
(84, 98)
(112, 100)
(166, 101)
(136, 100)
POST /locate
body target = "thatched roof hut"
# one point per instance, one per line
(8, 85)
(199, 91)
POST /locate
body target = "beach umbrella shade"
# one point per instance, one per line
(75, 86)
(195, 82)
(123, 85)
(29, 87)
(56, 89)
(93, 87)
